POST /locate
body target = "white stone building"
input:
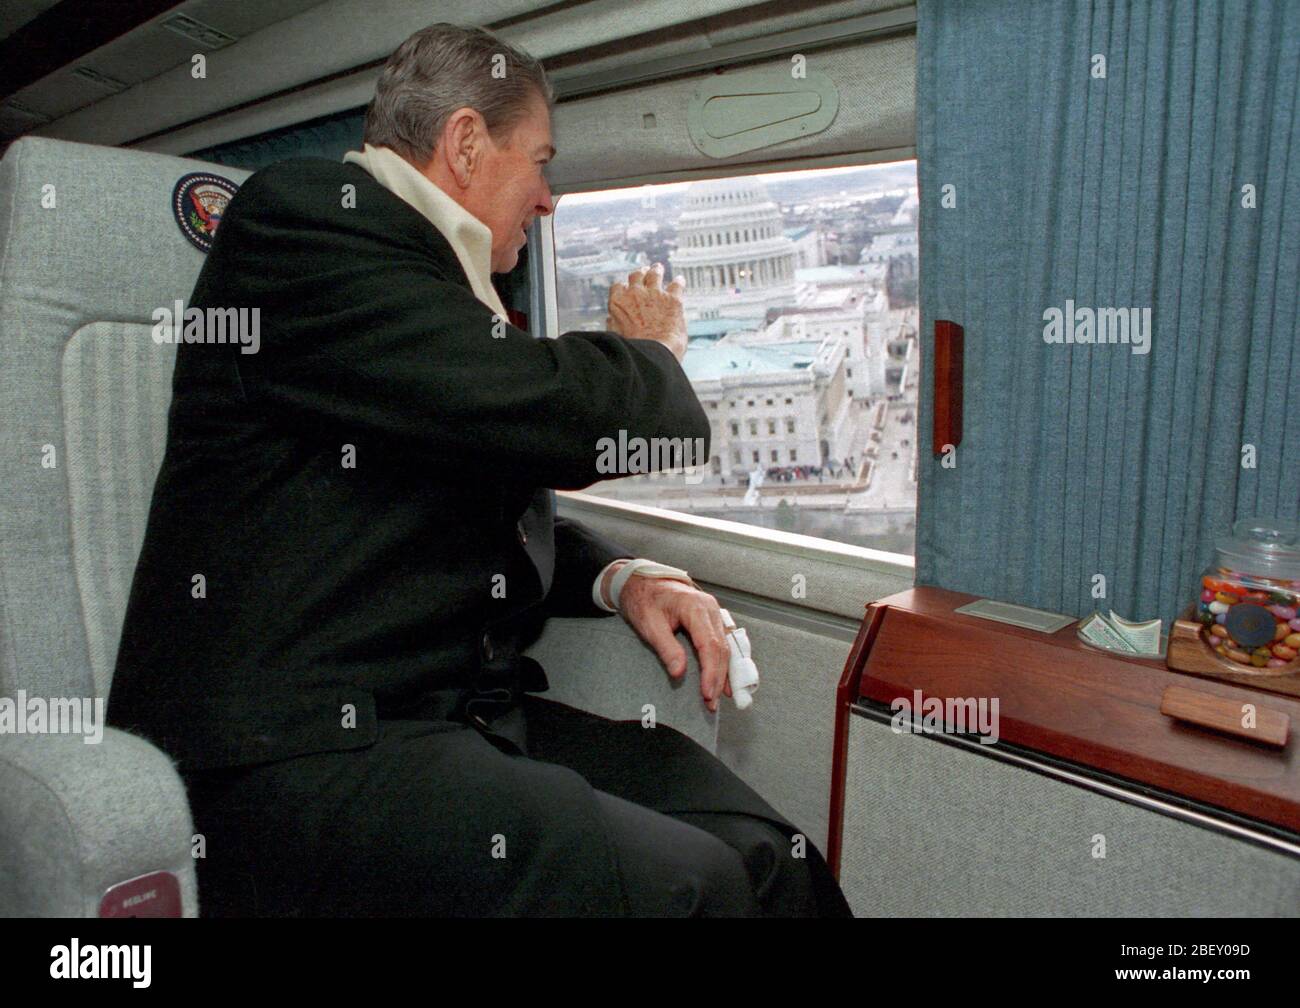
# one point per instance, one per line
(774, 403)
(809, 246)
(837, 314)
(583, 282)
(732, 250)
(889, 245)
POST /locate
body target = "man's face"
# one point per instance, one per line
(509, 189)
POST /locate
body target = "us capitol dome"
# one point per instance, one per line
(732, 250)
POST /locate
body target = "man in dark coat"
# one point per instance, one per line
(352, 538)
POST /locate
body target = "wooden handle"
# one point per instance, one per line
(1244, 719)
(949, 350)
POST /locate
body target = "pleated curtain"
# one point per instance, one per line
(1103, 156)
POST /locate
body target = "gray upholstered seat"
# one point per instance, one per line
(89, 250)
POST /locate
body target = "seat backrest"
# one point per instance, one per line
(89, 249)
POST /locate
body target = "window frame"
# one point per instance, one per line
(793, 544)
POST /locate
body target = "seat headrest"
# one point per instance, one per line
(77, 220)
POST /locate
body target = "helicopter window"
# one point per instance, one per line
(799, 286)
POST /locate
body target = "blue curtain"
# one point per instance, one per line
(1112, 155)
(327, 137)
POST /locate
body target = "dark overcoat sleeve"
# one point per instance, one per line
(580, 556)
(376, 331)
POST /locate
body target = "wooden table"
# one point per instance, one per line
(1059, 697)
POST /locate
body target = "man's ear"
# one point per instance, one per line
(462, 144)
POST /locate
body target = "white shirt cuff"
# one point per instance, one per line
(632, 568)
(596, 597)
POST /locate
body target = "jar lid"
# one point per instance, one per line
(1263, 546)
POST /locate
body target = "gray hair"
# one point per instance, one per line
(440, 69)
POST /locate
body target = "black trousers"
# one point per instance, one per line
(558, 813)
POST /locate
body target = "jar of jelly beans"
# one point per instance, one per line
(1249, 608)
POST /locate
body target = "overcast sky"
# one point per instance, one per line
(607, 195)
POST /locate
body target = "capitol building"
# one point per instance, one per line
(732, 251)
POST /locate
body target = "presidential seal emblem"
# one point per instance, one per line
(198, 202)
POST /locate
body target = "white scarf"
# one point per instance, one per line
(468, 236)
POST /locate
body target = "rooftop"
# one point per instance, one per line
(713, 327)
(707, 360)
(831, 274)
(584, 266)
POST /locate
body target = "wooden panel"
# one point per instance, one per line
(949, 350)
(1247, 720)
(1062, 698)
(845, 695)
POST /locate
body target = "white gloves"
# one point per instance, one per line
(743, 673)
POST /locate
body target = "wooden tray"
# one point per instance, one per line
(1188, 653)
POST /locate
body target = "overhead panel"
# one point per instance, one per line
(858, 98)
(747, 111)
(340, 36)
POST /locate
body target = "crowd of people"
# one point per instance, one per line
(841, 469)
(833, 469)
